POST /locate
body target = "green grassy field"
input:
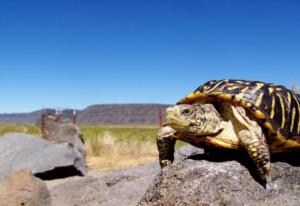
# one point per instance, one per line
(101, 135)
(109, 147)
(20, 128)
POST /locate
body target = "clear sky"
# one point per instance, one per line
(75, 53)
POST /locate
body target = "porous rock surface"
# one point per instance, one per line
(224, 179)
(123, 187)
(22, 188)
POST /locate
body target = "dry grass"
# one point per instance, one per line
(117, 155)
(115, 147)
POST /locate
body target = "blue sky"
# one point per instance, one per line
(74, 53)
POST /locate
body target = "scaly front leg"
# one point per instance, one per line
(253, 140)
(165, 145)
(258, 151)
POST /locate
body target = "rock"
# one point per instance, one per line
(22, 188)
(62, 131)
(185, 152)
(223, 179)
(124, 187)
(44, 159)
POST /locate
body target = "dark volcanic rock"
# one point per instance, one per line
(44, 159)
(206, 180)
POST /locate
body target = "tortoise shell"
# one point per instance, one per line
(276, 108)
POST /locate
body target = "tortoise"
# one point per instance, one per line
(260, 118)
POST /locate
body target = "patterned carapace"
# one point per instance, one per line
(275, 107)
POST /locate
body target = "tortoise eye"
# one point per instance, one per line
(186, 112)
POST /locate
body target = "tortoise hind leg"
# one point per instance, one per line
(166, 145)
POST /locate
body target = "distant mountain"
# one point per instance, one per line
(28, 118)
(31, 117)
(122, 114)
(145, 114)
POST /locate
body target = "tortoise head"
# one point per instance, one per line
(194, 119)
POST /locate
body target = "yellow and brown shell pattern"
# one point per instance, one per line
(275, 107)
